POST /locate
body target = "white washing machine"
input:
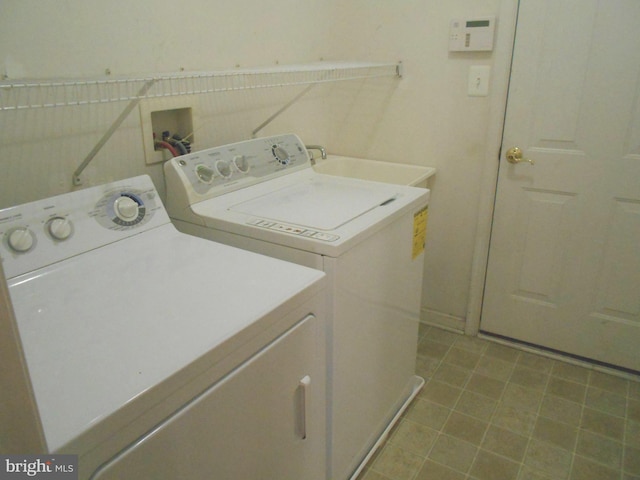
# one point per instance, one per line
(368, 237)
(155, 354)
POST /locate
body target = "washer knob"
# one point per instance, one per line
(241, 163)
(21, 240)
(205, 174)
(281, 155)
(126, 208)
(60, 228)
(223, 168)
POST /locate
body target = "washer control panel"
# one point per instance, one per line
(293, 230)
(219, 170)
(40, 233)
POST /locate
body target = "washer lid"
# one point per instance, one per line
(319, 203)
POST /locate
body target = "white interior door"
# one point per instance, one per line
(564, 261)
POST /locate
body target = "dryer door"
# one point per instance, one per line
(266, 419)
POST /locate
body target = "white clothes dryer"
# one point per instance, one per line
(368, 237)
(153, 354)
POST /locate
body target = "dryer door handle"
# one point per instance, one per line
(303, 386)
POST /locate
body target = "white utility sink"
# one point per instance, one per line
(378, 171)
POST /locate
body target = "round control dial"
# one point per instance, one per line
(205, 174)
(128, 209)
(224, 168)
(60, 228)
(280, 154)
(125, 209)
(21, 240)
(241, 163)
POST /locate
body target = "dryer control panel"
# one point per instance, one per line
(215, 171)
(37, 234)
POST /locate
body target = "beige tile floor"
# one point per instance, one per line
(492, 412)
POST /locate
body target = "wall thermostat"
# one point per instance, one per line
(472, 34)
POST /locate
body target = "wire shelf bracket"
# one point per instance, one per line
(16, 95)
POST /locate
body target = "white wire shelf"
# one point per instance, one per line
(22, 94)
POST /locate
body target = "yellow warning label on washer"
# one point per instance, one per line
(419, 231)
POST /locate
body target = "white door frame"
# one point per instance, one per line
(503, 54)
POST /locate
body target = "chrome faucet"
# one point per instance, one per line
(323, 152)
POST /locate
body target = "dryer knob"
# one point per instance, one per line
(60, 228)
(21, 240)
(126, 208)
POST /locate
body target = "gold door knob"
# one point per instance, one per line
(514, 155)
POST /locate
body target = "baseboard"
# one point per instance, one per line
(442, 320)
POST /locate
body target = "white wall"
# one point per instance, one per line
(73, 37)
(425, 118)
(430, 121)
